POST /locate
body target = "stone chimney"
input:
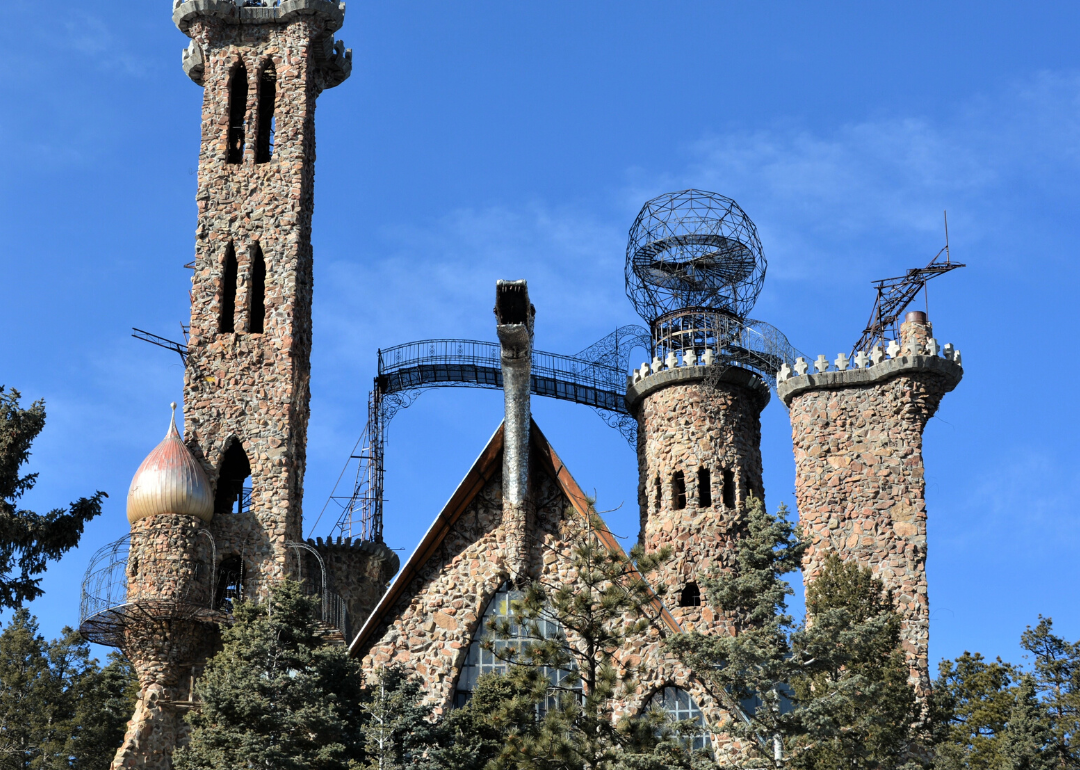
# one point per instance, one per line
(514, 315)
(915, 332)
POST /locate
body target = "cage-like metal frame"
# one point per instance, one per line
(693, 249)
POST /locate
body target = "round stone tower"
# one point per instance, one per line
(165, 628)
(694, 267)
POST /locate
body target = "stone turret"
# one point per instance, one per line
(699, 458)
(166, 622)
(857, 429)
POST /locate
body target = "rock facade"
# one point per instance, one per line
(696, 427)
(358, 572)
(168, 634)
(859, 476)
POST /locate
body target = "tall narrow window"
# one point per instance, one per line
(233, 493)
(229, 583)
(257, 292)
(238, 93)
(704, 487)
(678, 491)
(264, 142)
(228, 291)
(659, 495)
(729, 489)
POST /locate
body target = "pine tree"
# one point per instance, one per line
(1027, 735)
(832, 693)
(548, 723)
(398, 731)
(29, 540)
(58, 708)
(275, 696)
(972, 702)
(1056, 674)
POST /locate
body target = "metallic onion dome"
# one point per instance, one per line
(170, 480)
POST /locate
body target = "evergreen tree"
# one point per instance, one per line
(275, 696)
(1056, 674)
(27, 539)
(567, 723)
(398, 731)
(58, 708)
(1027, 735)
(833, 693)
(972, 702)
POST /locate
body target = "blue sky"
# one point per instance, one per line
(512, 140)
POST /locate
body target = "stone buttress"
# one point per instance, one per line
(699, 458)
(859, 476)
(246, 387)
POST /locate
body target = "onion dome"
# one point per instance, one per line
(170, 480)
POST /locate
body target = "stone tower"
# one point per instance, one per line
(216, 517)
(859, 478)
(694, 267)
(699, 457)
(246, 388)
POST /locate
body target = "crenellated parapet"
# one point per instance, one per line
(358, 571)
(857, 429)
(333, 61)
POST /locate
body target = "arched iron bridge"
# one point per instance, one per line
(596, 377)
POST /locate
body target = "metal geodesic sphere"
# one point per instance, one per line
(693, 249)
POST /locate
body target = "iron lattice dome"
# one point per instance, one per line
(693, 249)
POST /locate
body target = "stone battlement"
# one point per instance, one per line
(867, 369)
(651, 377)
(280, 12)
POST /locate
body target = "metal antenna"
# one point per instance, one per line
(895, 294)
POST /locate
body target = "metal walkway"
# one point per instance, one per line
(596, 377)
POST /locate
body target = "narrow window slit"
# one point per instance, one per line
(238, 93)
(729, 489)
(257, 292)
(264, 145)
(228, 291)
(704, 488)
(678, 491)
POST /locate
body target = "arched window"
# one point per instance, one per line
(680, 707)
(227, 322)
(229, 585)
(690, 596)
(264, 142)
(233, 494)
(659, 493)
(704, 487)
(238, 93)
(678, 491)
(479, 661)
(729, 489)
(257, 292)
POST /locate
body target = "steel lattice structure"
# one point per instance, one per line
(595, 377)
(693, 249)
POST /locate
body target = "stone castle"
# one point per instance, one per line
(216, 514)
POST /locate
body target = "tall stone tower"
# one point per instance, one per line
(246, 388)
(694, 267)
(859, 477)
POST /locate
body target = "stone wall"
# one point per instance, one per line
(241, 385)
(358, 572)
(859, 476)
(686, 422)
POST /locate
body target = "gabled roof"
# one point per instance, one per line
(487, 466)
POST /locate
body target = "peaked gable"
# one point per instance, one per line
(486, 469)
